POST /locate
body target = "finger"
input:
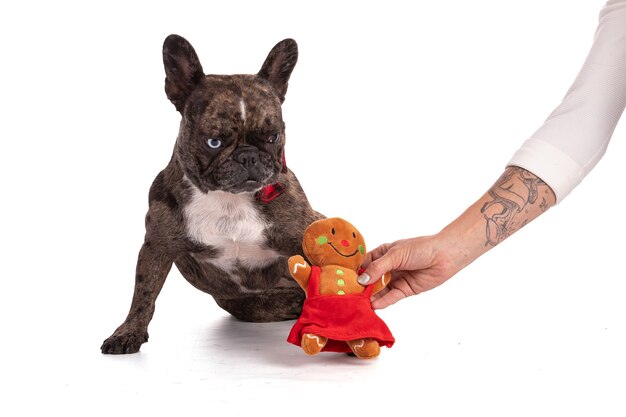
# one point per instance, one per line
(377, 253)
(378, 267)
(388, 298)
(379, 294)
(367, 260)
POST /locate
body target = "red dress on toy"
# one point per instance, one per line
(340, 318)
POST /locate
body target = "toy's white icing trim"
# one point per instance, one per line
(295, 267)
(383, 279)
(356, 345)
(312, 336)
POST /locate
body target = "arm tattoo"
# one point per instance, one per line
(515, 192)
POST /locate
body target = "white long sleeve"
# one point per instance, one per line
(576, 134)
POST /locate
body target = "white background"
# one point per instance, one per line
(423, 102)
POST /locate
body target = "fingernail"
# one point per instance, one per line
(363, 279)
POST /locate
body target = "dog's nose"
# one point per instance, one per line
(345, 243)
(247, 157)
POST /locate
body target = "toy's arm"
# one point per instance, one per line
(381, 283)
(299, 270)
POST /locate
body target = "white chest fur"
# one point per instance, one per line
(231, 224)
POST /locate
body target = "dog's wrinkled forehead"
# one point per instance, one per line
(226, 104)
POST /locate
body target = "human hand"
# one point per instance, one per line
(423, 263)
(417, 265)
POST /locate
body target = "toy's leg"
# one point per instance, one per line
(364, 348)
(312, 344)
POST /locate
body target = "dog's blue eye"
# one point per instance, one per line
(274, 138)
(214, 143)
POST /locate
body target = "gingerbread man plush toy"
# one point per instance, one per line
(337, 315)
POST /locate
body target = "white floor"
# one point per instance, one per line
(487, 348)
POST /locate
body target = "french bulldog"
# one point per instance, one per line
(226, 210)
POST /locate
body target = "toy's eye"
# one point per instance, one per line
(214, 143)
(274, 138)
(333, 231)
(354, 235)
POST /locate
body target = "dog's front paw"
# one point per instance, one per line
(124, 342)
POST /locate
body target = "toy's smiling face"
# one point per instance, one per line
(334, 241)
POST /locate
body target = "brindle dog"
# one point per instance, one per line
(226, 210)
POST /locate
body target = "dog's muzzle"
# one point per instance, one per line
(249, 169)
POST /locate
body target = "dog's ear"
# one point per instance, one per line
(278, 66)
(183, 70)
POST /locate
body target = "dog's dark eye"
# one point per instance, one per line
(274, 138)
(214, 143)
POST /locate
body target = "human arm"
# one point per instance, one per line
(561, 152)
(423, 263)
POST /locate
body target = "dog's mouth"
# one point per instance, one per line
(240, 181)
(249, 186)
(345, 256)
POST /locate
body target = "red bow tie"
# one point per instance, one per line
(269, 193)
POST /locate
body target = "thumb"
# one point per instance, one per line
(378, 268)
